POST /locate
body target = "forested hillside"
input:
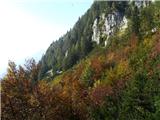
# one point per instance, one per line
(106, 68)
(77, 42)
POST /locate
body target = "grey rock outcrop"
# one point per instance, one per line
(106, 26)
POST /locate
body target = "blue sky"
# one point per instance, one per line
(28, 27)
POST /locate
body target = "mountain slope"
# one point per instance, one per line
(117, 80)
(77, 42)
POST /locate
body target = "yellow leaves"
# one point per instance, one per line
(33, 101)
(56, 80)
(43, 87)
(98, 82)
(148, 43)
(120, 71)
(122, 68)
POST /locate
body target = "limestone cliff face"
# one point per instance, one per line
(105, 26)
(96, 32)
(142, 3)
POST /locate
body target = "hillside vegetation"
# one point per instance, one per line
(117, 81)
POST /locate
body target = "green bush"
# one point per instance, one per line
(86, 76)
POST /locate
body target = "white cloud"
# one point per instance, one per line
(22, 35)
